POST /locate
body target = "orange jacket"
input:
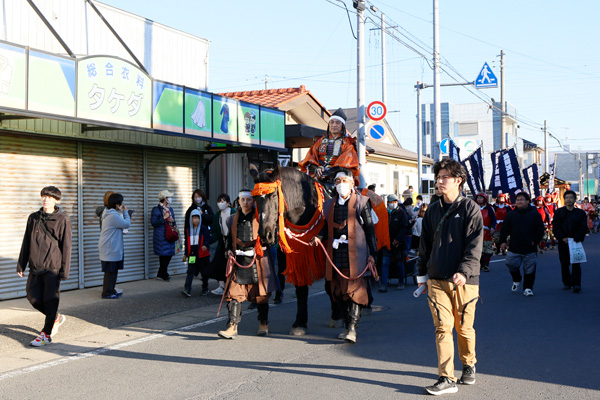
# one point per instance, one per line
(348, 157)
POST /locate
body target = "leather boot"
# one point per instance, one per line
(235, 315)
(263, 319)
(354, 317)
(346, 318)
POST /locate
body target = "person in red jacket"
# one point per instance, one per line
(551, 206)
(501, 209)
(540, 207)
(489, 226)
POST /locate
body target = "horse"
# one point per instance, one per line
(290, 209)
(290, 212)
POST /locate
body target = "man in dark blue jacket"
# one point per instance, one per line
(569, 223)
(526, 229)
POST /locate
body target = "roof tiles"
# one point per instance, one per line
(268, 97)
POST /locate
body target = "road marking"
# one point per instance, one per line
(103, 350)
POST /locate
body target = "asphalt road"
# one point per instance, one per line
(154, 344)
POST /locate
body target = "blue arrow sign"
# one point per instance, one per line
(444, 145)
(486, 78)
(377, 132)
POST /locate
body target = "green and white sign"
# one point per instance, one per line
(198, 113)
(113, 90)
(225, 118)
(12, 76)
(51, 86)
(167, 107)
(272, 133)
(249, 123)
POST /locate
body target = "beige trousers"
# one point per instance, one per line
(453, 306)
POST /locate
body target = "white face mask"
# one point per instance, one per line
(222, 205)
(198, 200)
(343, 189)
(168, 200)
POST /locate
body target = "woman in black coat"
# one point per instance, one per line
(200, 203)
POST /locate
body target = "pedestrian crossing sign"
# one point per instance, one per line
(486, 78)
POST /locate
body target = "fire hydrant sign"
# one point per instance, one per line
(376, 111)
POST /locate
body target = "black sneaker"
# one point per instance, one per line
(468, 375)
(442, 386)
(576, 289)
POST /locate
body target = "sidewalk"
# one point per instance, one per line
(88, 314)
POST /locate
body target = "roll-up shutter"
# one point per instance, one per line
(28, 165)
(176, 172)
(119, 169)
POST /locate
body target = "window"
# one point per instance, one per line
(467, 128)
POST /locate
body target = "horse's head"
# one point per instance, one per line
(267, 205)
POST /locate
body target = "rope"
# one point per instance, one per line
(370, 266)
(228, 271)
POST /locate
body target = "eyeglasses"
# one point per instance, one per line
(443, 177)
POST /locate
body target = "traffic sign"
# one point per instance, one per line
(444, 145)
(376, 111)
(486, 78)
(377, 132)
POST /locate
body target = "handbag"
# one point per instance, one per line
(171, 234)
(576, 252)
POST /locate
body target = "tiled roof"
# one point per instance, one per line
(269, 97)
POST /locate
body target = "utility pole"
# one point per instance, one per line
(383, 80)
(360, 99)
(503, 101)
(546, 166)
(436, 79)
(419, 86)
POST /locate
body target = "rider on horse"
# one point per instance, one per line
(335, 149)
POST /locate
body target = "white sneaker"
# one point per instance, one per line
(515, 286)
(41, 340)
(60, 319)
(528, 292)
(218, 291)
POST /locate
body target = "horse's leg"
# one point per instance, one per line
(337, 309)
(300, 325)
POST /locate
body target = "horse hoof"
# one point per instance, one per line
(298, 331)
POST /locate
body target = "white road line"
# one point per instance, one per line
(103, 350)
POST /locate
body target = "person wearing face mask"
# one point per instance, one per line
(115, 219)
(200, 203)
(164, 249)
(352, 245)
(219, 234)
(398, 229)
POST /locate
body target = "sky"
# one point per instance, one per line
(552, 61)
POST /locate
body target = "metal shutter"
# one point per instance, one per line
(120, 169)
(29, 164)
(176, 172)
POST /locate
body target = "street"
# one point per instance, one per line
(154, 344)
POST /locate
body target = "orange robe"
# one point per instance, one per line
(348, 157)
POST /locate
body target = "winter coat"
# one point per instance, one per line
(43, 253)
(525, 228)
(110, 244)
(398, 224)
(216, 232)
(161, 246)
(458, 245)
(569, 224)
(207, 215)
(99, 211)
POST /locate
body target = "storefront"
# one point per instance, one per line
(97, 123)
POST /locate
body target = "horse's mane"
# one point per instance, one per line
(298, 189)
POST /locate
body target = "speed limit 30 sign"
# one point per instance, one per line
(376, 111)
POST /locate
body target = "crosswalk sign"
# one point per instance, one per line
(486, 78)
